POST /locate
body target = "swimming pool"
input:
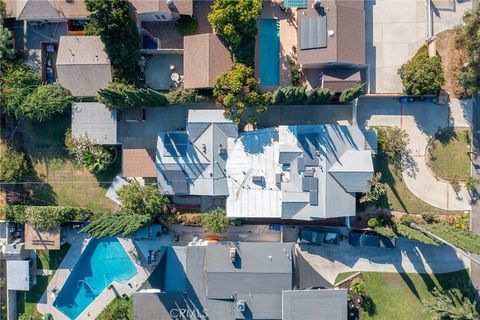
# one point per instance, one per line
(269, 52)
(102, 262)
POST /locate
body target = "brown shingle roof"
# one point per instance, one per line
(204, 57)
(82, 65)
(36, 9)
(149, 6)
(138, 163)
(346, 18)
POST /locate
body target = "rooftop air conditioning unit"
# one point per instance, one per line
(257, 179)
(241, 305)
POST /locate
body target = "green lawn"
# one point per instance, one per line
(400, 296)
(398, 197)
(27, 301)
(448, 155)
(51, 259)
(343, 276)
(118, 309)
(58, 181)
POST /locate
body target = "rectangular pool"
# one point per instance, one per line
(102, 262)
(269, 52)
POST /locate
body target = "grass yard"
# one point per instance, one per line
(448, 154)
(56, 180)
(399, 296)
(51, 259)
(398, 197)
(343, 276)
(118, 309)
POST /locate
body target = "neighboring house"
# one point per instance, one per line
(95, 121)
(303, 172)
(205, 56)
(82, 65)
(331, 43)
(245, 280)
(46, 10)
(192, 162)
(161, 10)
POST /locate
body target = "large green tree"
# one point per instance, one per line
(467, 39)
(13, 166)
(236, 22)
(451, 305)
(7, 52)
(17, 84)
(422, 75)
(45, 101)
(216, 220)
(110, 19)
(119, 96)
(239, 93)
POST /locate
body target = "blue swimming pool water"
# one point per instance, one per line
(269, 52)
(102, 262)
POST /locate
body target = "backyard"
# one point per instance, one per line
(402, 296)
(46, 259)
(55, 179)
(448, 156)
(118, 309)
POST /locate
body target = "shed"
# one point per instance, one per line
(96, 121)
(18, 275)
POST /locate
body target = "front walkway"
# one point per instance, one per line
(420, 121)
(408, 257)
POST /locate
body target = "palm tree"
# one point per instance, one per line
(451, 305)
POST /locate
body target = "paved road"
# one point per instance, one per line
(475, 215)
(408, 257)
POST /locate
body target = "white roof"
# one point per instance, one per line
(18, 275)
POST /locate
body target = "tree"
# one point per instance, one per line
(471, 184)
(377, 189)
(300, 95)
(111, 20)
(146, 200)
(216, 221)
(115, 223)
(186, 25)
(392, 143)
(17, 85)
(45, 101)
(7, 52)
(2, 282)
(95, 158)
(348, 95)
(467, 40)
(119, 96)
(236, 22)
(239, 93)
(422, 75)
(25, 316)
(451, 305)
(13, 166)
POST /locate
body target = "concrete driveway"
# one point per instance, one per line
(420, 121)
(408, 257)
(395, 29)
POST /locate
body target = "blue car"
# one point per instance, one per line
(318, 237)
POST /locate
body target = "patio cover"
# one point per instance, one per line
(41, 239)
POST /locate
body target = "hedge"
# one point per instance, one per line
(414, 234)
(47, 217)
(463, 239)
(300, 95)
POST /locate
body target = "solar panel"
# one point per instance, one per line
(313, 32)
(296, 3)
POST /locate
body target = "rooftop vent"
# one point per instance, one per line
(204, 148)
(233, 255)
(241, 305)
(257, 179)
(222, 151)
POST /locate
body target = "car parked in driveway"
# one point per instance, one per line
(370, 239)
(318, 236)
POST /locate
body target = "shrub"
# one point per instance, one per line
(407, 219)
(377, 189)
(430, 217)
(115, 223)
(118, 309)
(463, 239)
(406, 231)
(194, 219)
(471, 184)
(385, 232)
(13, 166)
(239, 93)
(300, 95)
(95, 158)
(7, 52)
(216, 221)
(459, 221)
(369, 306)
(422, 75)
(236, 22)
(181, 95)
(348, 95)
(392, 143)
(186, 25)
(357, 286)
(373, 223)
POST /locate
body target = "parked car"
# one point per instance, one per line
(319, 236)
(370, 239)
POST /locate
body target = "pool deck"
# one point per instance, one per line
(288, 39)
(78, 243)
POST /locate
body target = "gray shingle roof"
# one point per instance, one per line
(38, 10)
(324, 304)
(95, 121)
